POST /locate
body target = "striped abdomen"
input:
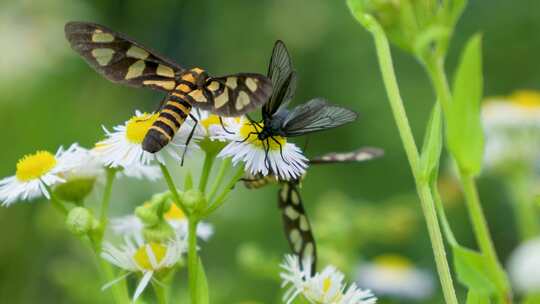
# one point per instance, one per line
(171, 117)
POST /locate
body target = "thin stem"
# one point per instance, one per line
(423, 189)
(481, 230)
(442, 215)
(209, 159)
(524, 209)
(54, 200)
(111, 173)
(221, 198)
(224, 167)
(172, 188)
(193, 259)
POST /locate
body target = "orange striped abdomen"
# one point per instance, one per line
(170, 119)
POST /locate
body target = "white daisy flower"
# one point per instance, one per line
(131, 225)
(326, 287)
(141, 171)
(33, 173)
(523, 267)
(146, 259)
(512, 126)
(395, 276)
(277, 157)
(123, 146)
(210, 126)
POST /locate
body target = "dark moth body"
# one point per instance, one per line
(125, 61)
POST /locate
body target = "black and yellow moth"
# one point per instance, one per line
(125, 61)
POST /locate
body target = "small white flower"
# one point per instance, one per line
(210, 126)
(326, 287)
(512, 126)
(141, 171)
(524, 265)
(123, 146)
(34, 172)
(395, 276)
(146, 259)
(131, 225)
(271, 156)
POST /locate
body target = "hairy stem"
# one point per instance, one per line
(223, 195)
(172, 188)
(193, 259)
(224, 167)
(209, 159)
(111, 173)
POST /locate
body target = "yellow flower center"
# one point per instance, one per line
(327, 283)
(174, 213)
(526, 99)
(212, 119)
(138, 126)
(249, 132)
(33, 166)
(143, 260)
(393, 261)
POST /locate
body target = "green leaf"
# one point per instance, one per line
(464, 128)
(476, 298)
(473, 271)
(202, 285)
(432, 146)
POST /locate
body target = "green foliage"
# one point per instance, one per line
(464, 128)
(476, 298)
(432, 146)
(473, 271)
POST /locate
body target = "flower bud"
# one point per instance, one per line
(75, 190)
(160, 232)
(194, 200)
(80, 221)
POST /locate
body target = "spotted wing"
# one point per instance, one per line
(258, 181)
(359, 155)
(121, 59)
(316, 115)
(233, 95)
(283, 77)
(296, 224)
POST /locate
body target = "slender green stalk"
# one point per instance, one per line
(435, 68)
(224, 167)
(111, 173)
(423, 189)
(221, 198)
(193, 259)
(161, 293)
(209, 159)
(56, 203)
(442, 215)
(481, 230)
(172, 188)
(524, 209)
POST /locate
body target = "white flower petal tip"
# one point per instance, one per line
(326, 287)
(523, 267)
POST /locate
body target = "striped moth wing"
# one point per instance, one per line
(121, 59)
(296, 224)
(232, 95)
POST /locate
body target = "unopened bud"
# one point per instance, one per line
(194, 200)
(80, 221)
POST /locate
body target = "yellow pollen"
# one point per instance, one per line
(174, 213)
(143, 260)
(327, 283)
(210, 120)
(33, 166)
(393, 261)
(251, 131)
(138, 126)
(526, 98)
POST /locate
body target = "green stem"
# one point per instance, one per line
(111, 173)
(209, 159)
(524, 209)
(192, 259)
(442, 215)
(54, 200)
(223, 195)
(224, 167)
(172, 188)
(481, 231)
(423, 189)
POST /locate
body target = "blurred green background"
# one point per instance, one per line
(50, 97)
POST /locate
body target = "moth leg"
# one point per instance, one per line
(280, 150)
(190, 136)
(157, 110)
(249, 134)
(266, 147)
(223, 126)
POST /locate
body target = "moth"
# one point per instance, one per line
(312, 116)
(296, 224)
(122, 60)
